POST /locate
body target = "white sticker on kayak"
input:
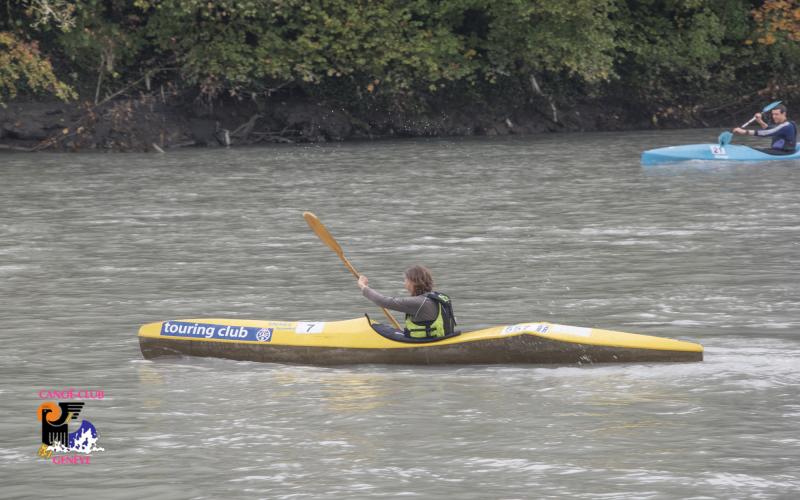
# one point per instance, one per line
(717, 150)
(523, 327)
(303, 327)
(572, 330)
(281, 325)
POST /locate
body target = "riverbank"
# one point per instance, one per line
(158, 123)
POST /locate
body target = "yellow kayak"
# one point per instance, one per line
(361, 340)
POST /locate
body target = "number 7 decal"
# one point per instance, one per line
(309, 327)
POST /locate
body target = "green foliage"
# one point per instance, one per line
(251, 45)
(656, 51)
(695, 51)
(776, 39)
(672, 53)
(551, 36)
(22, 66)
(394, 47)
(104, 39)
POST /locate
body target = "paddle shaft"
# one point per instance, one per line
(349, 266)
(322, 232)
(768, 107)
(749, 122)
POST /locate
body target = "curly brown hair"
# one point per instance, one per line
(421, 279)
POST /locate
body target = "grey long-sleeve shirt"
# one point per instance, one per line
(420, 307)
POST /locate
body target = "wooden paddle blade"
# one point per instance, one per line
(319, 228)
(327, 238)
(321, 231)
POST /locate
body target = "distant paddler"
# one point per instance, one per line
(783, 131)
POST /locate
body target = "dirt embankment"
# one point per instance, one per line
(151, 123)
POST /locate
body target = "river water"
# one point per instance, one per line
(562, 228)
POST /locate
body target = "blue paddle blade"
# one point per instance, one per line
(725, 138)
(771, 106)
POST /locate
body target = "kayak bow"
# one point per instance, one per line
(360, 340)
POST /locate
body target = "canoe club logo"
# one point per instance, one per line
(59, 444)
(210, 331)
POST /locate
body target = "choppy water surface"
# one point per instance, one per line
(563, 228)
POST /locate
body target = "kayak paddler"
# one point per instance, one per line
(428, 313)
(783, 132)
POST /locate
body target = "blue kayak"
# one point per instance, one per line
(706, 152)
